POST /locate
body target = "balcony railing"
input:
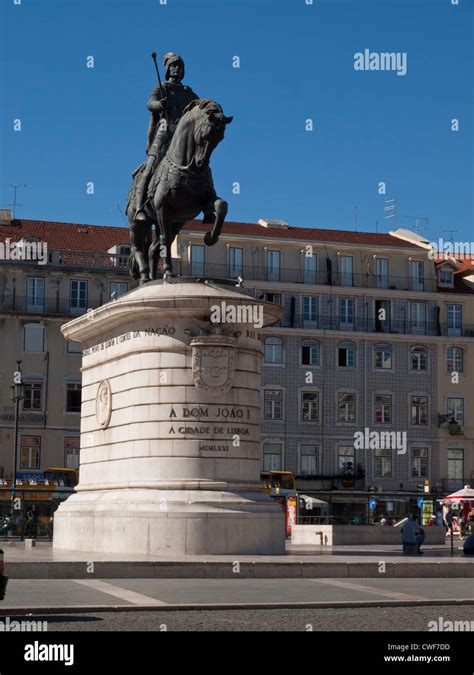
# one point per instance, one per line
(371, 325)
(299, 276)
(59, 306)
(78, 260)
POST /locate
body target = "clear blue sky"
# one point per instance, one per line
(81, 124)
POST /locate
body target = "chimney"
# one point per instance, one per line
(5, 217)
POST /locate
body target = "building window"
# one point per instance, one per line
(273, 404)
(418, 317)
(33, 338)
(454, 314)
(419, 462)
(383, 463)
(32, 396)
(236, 262)
(310, 267)
(456, 464)
(455, 408)
(310, 310)
(71, 452)
(455, 360)
(347, 355)
(382, 272)
(73, 347)
(419, 410)
(346, 313)
(346, 263)
(419, 358)
(383, 408)
(35, 294)
(309, 460)
(273, 265)
(73, 397)
(345, 459)
(78, 296)
(273, 297)
(197, 260)
(445, 277)
(118, 288)
(30, 452)
(310, 353)
(272, 456)
(346, 407)
(273, 350)
(417, 275)
(383, 356)
(310, 406)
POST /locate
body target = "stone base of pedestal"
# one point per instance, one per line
(174, 522)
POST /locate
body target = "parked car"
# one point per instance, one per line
(3, 578)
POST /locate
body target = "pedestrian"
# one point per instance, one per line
(7, 525)
(420, 537)
(409, 534)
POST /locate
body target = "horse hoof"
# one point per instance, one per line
(209, 239)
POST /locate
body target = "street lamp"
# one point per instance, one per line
(17, 394)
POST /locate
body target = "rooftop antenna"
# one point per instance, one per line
(117, 206)
(421, 222)
(15, 203)
(355, 217)
(451, 233)
(390, 208)
(376, 226)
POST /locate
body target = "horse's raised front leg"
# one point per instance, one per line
(220, 209)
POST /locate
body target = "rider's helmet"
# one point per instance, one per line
(170, 58)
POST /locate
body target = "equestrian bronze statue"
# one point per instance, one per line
(175, 183)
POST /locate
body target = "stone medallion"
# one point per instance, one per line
(103, 404)
(213, 363)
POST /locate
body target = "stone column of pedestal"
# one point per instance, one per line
(170, 425)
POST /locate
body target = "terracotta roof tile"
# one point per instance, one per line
(97, 238)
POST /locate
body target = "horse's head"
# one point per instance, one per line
(209, 128)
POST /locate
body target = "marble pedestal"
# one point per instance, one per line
(170, 425)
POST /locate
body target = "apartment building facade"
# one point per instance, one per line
(373, 331)
(376, 337)
(84, 267)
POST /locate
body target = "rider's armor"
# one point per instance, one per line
(162, 124)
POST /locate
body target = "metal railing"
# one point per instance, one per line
(299, 276)
(371, 325)
(62, 306)
(78, 260)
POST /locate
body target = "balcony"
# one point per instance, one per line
(320, 278)
(370, 325)
(59, 306)
(76, 260)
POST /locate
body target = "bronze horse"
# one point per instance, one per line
(180, 188)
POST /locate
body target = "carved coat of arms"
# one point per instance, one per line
(213, 363)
